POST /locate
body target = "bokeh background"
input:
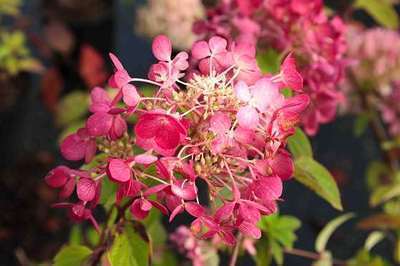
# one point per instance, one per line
(30, 231)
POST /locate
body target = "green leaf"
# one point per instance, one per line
(277, 252)
(263, 257)
(72, 255)
(364, 258)
(129, 249)
(269, 61)
(327, 231)
(383, 12)
(167, 258)
(92, 236)
(280, 228)
(108, 191)
(299, 144)
(384, 193)
(72, 107)
(373, 239)
(317, 178)
(155, 228)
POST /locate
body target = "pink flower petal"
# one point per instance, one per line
(100, 101)
(290, 75)
(220, 123)
(175, 212)
(98, 124)
(224, 211)
(187, 192)
(86, 189)
(137, 211)
(268, 188)
(73, 148)
(162, 48)
(57, 177)
(200, 50)
(117, 64)
(147, 126)
(194, 209)
(119, 171)
(167, 137)
(242, 91)
(248, 117)
(217, 44)
(130, 95)
(145, 159)
(249, 229)
(67, 189)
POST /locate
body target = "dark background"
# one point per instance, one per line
(28, 149)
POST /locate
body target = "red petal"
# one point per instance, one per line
(194, 209)
(162, 48)
(148, 126)
(98, 124)
(187, 192)
(86, 189)
(119, 171)
(175, 212)
(249, 229)
(137, 211)
(167, 137)
(57, 177)
(73, 148)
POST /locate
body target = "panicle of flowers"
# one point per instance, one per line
(174, 18)
(217, 119)
(301, 26)
(376, 71)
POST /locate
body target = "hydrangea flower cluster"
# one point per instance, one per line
(151, 20)
(302, 26)
(376, 68)
(214, 117)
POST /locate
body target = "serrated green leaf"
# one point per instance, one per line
(327, 231)
(269, 61)
(72, 255)
(383, 12)
(299, 144)
(317, 178)
(129, 249)
(280, 228)
(373, 239)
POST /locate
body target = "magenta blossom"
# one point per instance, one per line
(159, 131)
(225, 124)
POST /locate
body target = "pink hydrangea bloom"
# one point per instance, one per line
(303, 27)
(228, 127)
